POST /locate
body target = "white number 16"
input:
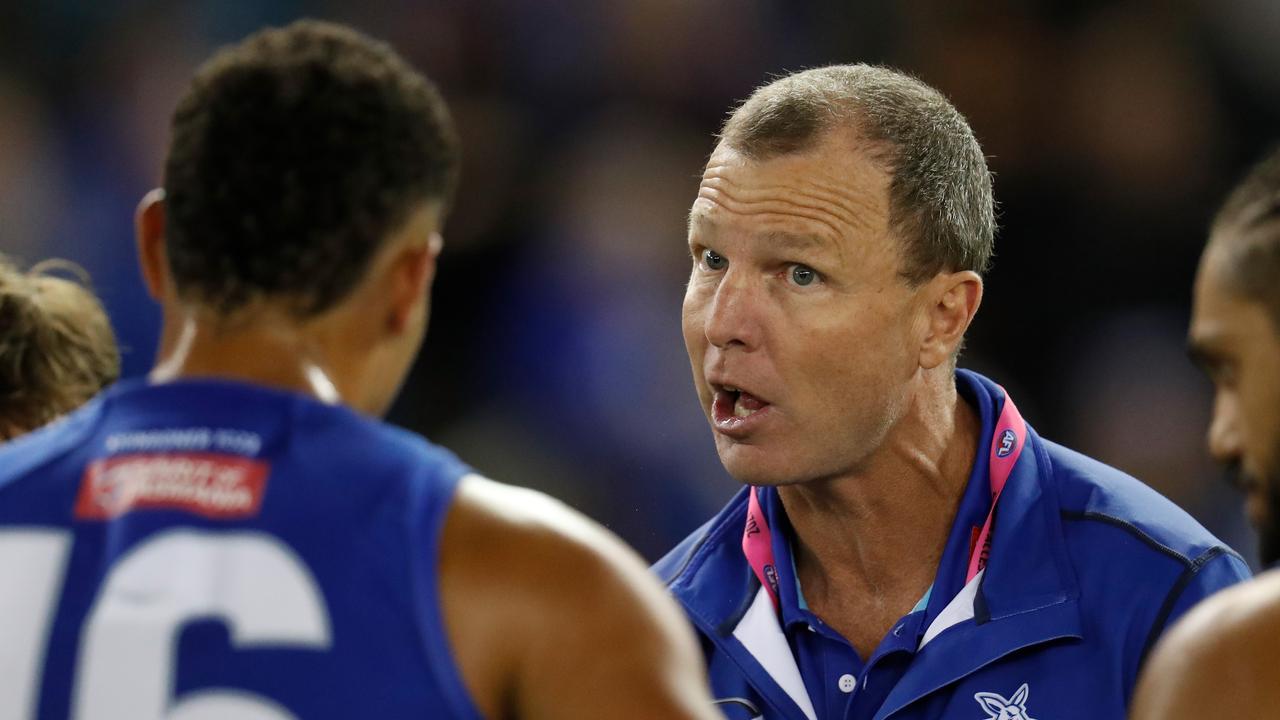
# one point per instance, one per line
(251, 581)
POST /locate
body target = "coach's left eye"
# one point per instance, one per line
(803, 275)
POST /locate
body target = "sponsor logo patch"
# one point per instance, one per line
(221, 487)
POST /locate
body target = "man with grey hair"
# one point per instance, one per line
(907, 546)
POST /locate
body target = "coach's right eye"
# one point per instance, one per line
(714, 260)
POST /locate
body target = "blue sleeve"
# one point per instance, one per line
(1216, 569)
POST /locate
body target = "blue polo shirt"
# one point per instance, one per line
(840, 683)
(1087, 569)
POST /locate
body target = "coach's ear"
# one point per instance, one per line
(148, 222)
(951, 300)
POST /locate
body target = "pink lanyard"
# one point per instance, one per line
(1006, 445)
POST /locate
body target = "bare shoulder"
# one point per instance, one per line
(547, 611)
(1222, 658)
(534, 545)
(484, 506)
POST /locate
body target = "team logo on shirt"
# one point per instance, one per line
(998, 708)
(1008, 440)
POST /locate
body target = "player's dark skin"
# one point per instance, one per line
(548, 614)
(1222, 659)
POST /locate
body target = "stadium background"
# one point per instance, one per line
(555, 358)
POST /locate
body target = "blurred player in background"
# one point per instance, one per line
(1223, 660)
(907, 545)
(236, 537)
(56, 345)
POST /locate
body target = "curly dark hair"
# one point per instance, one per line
(294, 155)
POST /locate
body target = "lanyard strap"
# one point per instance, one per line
(1006, 446)
(1007, 441)
(757, 544)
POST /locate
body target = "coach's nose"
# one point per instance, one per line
(733, 315)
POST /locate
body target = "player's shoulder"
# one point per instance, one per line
(539, 563)
(528, 583)
(538, 548)
(497, 520)
(26, 454)
(1098, 500)
(1219, 658)
(1237, 617)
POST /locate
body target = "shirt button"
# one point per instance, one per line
(848, 683)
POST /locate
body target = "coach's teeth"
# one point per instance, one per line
(739, 410)
(730, 388)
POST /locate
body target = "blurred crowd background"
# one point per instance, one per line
(555, 357)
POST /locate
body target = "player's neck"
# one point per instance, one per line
(878, 534)
(265, 351)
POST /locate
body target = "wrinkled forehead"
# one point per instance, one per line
(832, 190)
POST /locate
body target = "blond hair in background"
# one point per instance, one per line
(57, 349)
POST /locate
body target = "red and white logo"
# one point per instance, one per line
(222, 487)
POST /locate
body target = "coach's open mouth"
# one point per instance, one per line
(732, 407)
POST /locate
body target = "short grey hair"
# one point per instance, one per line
(940, 199)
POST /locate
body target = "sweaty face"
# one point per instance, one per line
(802, 335)
(1237, 343)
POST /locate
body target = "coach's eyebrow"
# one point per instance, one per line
(699, 219)
(796, 243)
(790, 241)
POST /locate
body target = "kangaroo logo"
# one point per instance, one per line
(1015, 708)
(1007, 440)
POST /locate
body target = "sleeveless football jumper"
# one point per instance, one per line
(212, 549)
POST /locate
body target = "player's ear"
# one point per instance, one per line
(410, 275)
(952, 300)
(148, 223)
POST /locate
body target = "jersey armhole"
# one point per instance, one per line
(431, 499)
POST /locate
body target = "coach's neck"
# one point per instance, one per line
(869, 542)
